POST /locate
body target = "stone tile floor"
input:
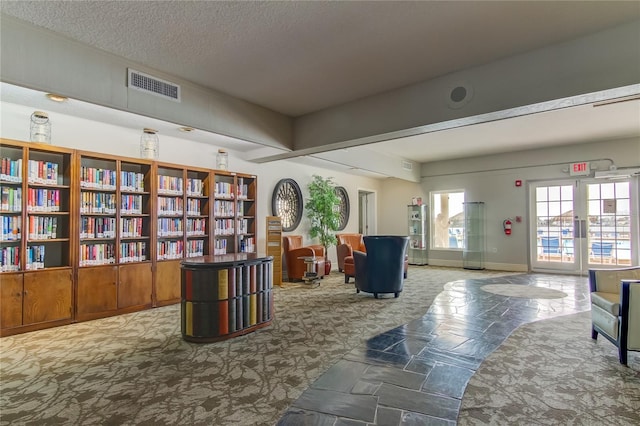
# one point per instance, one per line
(416, 374)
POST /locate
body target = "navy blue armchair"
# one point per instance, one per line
(381, 268)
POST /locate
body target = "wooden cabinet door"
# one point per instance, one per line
(168, 281)
(10, 300)
(97, 290)
(47, 295)
(135, 285)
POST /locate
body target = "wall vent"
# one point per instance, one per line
(146, 83)
(407, 165)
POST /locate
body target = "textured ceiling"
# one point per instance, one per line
(300, 57)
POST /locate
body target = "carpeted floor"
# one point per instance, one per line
(551, 373)
(136, 369)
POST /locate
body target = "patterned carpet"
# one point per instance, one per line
(136, 370)
(551, 373)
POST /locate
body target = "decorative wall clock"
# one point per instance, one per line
(286, 203)
(343, 206)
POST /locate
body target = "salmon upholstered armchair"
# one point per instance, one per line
(345, 246)
(615, 307)
(294, 251)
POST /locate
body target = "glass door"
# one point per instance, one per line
(585, 224)
(609, 222)
(554, 239)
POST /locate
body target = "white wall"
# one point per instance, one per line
(491, 179)
(77, 133)
(396, 195)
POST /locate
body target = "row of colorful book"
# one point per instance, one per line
(170, 206)
(43, 227)
(11, 226)
(170, 185)
(97, 202)
(223, 208)
(96, 178)
(97, 254)
(10, 199)
(43, 200)
(11, 170)
(98, 227)
(44, 172)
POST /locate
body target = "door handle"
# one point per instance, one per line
(580, 228)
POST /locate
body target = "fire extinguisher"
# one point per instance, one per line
(507, 226)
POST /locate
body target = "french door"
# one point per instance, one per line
(577, 225)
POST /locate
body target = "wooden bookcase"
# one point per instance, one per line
(102, 235)
(36, 282)
(246, 213)
(115, 224)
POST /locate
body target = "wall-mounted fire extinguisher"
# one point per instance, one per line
(507, 226)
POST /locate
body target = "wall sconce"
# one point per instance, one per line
(149, 144)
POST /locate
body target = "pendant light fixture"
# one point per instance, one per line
(149, 144)
(40, 127)
(222, 159)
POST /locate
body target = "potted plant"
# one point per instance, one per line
(323, 211)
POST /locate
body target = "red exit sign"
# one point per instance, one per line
(579, 169)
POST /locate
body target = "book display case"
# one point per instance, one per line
(224, 213)
(114, 266)
(102, 235)
(245, 222)
(183, 209)
(37, 265)
(225, 296)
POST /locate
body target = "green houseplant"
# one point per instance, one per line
(323, 211)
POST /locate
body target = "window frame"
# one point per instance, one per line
(434, 233)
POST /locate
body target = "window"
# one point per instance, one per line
(609, 223)
(447, 226)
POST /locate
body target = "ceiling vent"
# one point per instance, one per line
(153, 85)
(407, 165)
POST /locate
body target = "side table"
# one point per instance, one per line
(310, 275)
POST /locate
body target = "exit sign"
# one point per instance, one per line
(579, 169)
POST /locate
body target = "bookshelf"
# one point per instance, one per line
(103, 235)
(224, 213)
(246, 213)
(182, 225)
(114, 259)
(36, 278)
